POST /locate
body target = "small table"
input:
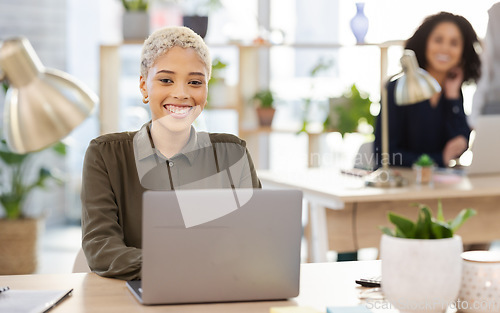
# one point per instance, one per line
(357, 211)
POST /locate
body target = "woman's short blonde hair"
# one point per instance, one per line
(164, 39)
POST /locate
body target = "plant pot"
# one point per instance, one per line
(265, 116)
(18, 246)
(421, 275)
(135, 25)
(423, 174)
(199, 24)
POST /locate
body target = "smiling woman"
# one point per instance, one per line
(444, 45)
(167, 153)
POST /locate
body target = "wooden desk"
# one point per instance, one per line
(357, 211)
(322, 285)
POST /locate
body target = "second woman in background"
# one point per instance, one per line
(444, 45)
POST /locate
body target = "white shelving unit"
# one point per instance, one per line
(253, 72)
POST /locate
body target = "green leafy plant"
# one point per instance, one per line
(135, 5)
(352, 109)
(265, 98)
(424, 160)
(16, 180)
(426, 226)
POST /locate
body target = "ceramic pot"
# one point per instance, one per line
(421, 275)
(265, 116)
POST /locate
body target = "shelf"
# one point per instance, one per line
(313, 45)
(308, 45)
(231, 107)
(253, 68)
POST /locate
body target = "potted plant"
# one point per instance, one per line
(421, 263)
(423, 168)
(265, 107)
(135, 21)
(196, 14)
(18, 232)
(349, 111)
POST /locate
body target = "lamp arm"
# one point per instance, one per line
(3, 76)
(384, 110)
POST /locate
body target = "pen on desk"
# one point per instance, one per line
(3, 289)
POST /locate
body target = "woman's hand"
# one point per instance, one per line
(454, 148)
(453, 83)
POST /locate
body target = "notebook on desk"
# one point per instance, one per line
(485, 146)
(220, 245)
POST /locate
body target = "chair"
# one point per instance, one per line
(80, 265)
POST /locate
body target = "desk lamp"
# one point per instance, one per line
(413, 86)
(42, 105)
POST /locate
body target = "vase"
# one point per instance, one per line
(359, 23)
(421, 275)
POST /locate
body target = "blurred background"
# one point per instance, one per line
(304, 51)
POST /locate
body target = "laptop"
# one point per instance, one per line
(219, 245)
(485, 146)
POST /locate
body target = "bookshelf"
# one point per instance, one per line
(253, 73)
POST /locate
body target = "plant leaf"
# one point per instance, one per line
(399, 234)
(440, 215)
(423, 229)
(424, 160)
(59, 148)
(11, 158)
(426, 226)
(405, 227)
(387, 231)
(464, 215)
(441, 229)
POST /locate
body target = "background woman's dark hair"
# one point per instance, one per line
(471, 61)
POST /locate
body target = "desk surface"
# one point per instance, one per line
(347, 188)
(321, 285)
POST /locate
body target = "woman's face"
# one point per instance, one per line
(177, 88)
(444, 48)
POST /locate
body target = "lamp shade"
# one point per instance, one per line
(416, 84)
(42, 105)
